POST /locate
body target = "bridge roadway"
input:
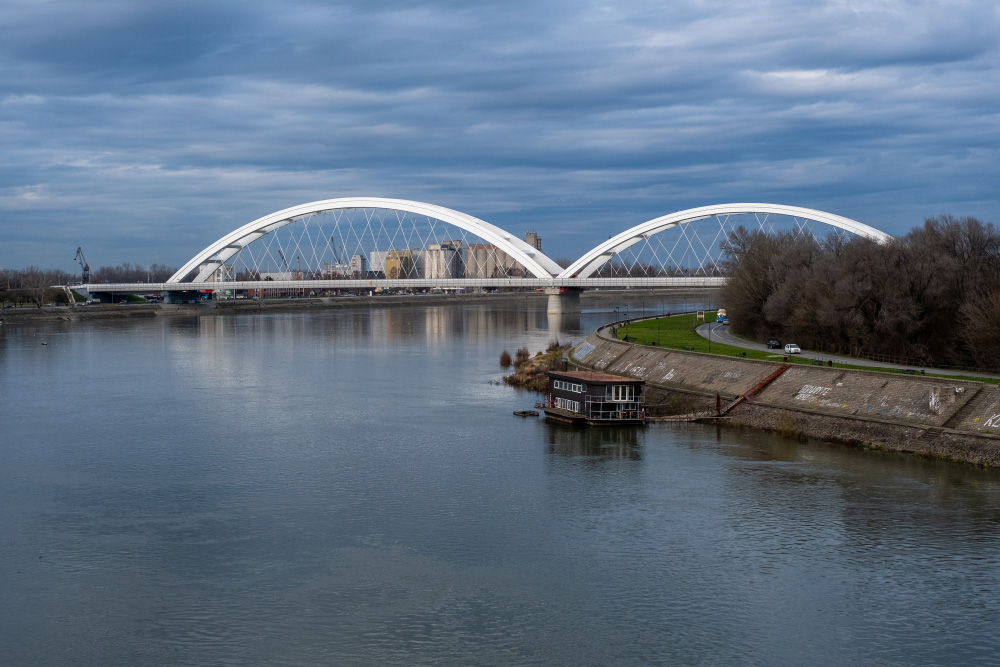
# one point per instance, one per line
(416, 283)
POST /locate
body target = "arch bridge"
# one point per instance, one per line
(358, 243)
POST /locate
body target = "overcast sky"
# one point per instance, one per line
(144, 130)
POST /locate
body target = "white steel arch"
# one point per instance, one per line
(594, 259)
(212, 257)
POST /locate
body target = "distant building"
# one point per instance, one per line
(483, 260)
(399, 264)
(419, 260)
(414, 263)
(222, 274)
(359, 266)
(488, 261)
(444, 260)
(335, 271)
(376, 262)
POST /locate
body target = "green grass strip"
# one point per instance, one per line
(678, 332)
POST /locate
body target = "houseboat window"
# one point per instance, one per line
(566, 404)
(621, 392)
(568, 386)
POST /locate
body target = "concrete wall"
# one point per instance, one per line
(936, 416)
(896, 398)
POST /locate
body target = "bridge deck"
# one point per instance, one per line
(416, 283)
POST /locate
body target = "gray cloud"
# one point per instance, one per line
(146, 130)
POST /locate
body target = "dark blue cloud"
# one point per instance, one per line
(146, 130)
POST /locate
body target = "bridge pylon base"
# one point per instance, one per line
(562, 301)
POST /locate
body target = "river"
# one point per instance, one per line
(350, 487)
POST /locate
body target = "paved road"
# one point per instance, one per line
(720, 334)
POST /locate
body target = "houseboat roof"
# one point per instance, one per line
(593, 378)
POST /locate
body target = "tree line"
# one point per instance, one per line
(932, 296)
(132, 273)
(33, 285)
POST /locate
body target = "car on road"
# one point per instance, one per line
(774, 344)
(792, 348)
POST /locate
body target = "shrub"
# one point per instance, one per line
(787, 425)
(505, 361)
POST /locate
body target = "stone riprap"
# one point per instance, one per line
(936, 416)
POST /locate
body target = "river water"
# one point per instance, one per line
(350, 487)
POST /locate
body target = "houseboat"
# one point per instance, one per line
(597, 399)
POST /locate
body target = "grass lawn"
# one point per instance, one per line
(678, 332)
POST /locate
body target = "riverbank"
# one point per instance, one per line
(593, 298)
(251, 306)
(953, 419)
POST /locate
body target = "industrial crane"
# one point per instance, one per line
(83, 265)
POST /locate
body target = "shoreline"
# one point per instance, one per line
(954, 419)
(229, 307)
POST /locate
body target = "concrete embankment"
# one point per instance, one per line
(953, 419)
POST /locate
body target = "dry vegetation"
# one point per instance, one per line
(529, 371)
(932, 296)
(33, 285)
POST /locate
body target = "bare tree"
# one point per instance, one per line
(917, 296)
(36, 283)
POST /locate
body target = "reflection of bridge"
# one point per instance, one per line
(367, 242)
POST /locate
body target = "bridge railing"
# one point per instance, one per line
(373, 283)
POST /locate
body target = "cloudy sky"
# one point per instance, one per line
(143, 131)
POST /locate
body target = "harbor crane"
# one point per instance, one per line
(84, 267)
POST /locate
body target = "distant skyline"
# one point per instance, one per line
(145, 131)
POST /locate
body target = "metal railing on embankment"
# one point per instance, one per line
(919, 363)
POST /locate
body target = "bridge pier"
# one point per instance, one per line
(185, 296)
(563, 300)
(102, 297)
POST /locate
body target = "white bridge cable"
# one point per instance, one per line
(322, 244)
(321, 236)
(695, 247)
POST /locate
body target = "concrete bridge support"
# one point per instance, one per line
(563, 301)
(186, 296)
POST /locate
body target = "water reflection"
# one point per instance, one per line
(600, 442)
(345, 487)
(563, 326)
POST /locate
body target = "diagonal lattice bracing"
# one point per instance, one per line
(320, 237)
(689, 242)
(369, 243)
(363, 235)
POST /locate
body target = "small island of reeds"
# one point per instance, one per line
(529, 371)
